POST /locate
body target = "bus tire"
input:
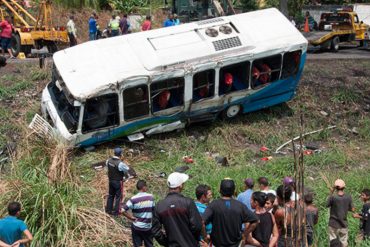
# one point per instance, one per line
(231, 112)
(15, 44)
(335, 44)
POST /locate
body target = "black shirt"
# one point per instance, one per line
(181, 221)
(365, 226)
(263, 231)
(339, 207)
(227, 217)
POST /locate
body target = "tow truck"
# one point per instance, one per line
(337, 27)
(33, 32)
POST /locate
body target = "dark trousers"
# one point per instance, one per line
(72, 40)
(115, 194)
(138, 237)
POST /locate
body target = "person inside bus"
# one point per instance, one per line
(164, 99)
(261, 74)
(227, 85)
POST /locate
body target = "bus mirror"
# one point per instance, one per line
(76, 103)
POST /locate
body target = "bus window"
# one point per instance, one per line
(291, 63)
(167, 94)
(136, 102)
(266, 70)
(100, 112)
(203, 85)
(234, 78)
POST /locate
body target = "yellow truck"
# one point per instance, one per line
(32, 32)
(337, 27)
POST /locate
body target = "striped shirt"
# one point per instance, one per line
(142, 206)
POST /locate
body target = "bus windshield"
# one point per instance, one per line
(67, 112)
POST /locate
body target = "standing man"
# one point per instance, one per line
(124, 25)
(92, 28)
(6, 36)
(72, 32)
(147, 24)
(227, 216)
(178, 215)
(116, 171)
(142, 206)
(339, 204)
(245, 197)
(114, 26)
(264, 186)
(169, 21)
(204, 196)
(12, 229)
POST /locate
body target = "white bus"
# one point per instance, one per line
(160, 80)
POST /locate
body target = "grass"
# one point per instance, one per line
(58, 209)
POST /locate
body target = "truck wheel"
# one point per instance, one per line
(334, 44)
(231, 112)
(15, 44)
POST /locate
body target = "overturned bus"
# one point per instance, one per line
(161, 80)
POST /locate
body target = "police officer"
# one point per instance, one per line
(117, 169)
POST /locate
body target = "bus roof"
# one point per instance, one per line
(93, 66)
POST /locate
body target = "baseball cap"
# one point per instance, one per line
(339, 183)
(249, 182)
(118, 151)
(176, 179)
(227, 187)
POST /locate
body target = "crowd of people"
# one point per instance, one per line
(256, 217)
(262, 217)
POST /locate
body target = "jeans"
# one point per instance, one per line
(115, 195)
(114, 33)
(138, 237)
(92, 36)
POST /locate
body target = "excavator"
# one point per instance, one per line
(33, 32)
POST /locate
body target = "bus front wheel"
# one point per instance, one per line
(231, 111)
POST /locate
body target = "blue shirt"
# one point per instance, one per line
(201, 209)
(245, 198)
(92, 25)
(169, 23)
(11, 229)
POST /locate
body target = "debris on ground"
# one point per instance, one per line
(222, 160)
(182, 169)
(266, 158)
(187, 159)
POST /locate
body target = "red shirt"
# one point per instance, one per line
(147, 25)
(6, 28)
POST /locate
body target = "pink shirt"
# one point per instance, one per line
(146, 25)
(6, 29)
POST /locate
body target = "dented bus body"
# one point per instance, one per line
(161, 80)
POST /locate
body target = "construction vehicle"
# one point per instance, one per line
(33, 32)
(192, 10)
(337, 27)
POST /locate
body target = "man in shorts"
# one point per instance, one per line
(6, 36)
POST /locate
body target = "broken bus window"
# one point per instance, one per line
(167, 94)
(266, 70)
(135, 102)
(101, 112)
(203, 85)
(234, 78)
(291, 63)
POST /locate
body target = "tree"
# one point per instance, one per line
(248, 5)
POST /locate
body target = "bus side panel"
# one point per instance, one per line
(127, 129)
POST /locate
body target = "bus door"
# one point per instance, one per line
(204, 105)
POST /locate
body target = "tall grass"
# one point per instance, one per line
(56, 206)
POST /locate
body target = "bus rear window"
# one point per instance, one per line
(291, 63)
